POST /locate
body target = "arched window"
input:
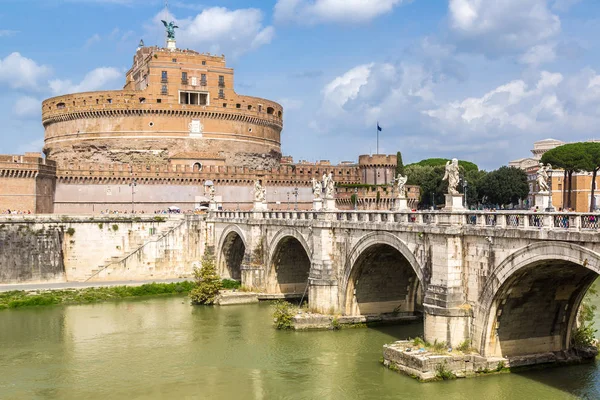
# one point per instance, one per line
(197, 167)
(270, 110)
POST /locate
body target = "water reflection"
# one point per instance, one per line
(166, 349)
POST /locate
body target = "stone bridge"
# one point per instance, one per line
(511, 282)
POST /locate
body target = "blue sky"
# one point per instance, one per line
(475, 79)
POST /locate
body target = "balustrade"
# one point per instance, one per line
(494, 219)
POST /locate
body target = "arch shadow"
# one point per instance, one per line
(230, 252)
(361, 249)
(540, 270)
(289, 261)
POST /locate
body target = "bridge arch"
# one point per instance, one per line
(529, 304)
(230, 252)
(392, 281)
(289, 262)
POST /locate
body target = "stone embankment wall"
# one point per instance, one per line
(65, 249)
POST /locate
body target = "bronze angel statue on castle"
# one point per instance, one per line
(170, 29)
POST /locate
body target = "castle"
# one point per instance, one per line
(176, 125)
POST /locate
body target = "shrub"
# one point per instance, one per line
(418, 342)
(442, 372)
(464, 346)
(158, 218)
(100, 225)
(231, 284)
(283, 314)
(115, 227)
(584, 334)
(335, 324)
(208, 283)
(71, 231)
(439, 347)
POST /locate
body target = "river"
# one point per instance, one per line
(163, 348)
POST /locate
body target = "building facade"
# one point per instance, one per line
(177, 124)
(581, 190)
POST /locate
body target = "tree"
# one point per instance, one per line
(474, 179)
(571, 158)
(506, 185)
(208, 282)
(429, 179)
(399, 164)
(435, 162)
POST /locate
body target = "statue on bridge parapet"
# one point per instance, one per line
(400, 203)
(329, 185)
(317, 194)
(452, 176)
(260, 196)
(454, 200)
(543, 177)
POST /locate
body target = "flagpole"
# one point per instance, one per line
(377, 137)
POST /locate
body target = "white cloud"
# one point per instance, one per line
(539, 54)
(27, 107)
(344, 11)
(92, 40)
(506, 27)
(99, 78)
(20, 72)
(219, 30)
(7, 32)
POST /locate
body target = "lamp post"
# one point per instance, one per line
(393, 191)
(296, 200)
(288, 201)
(355, 199)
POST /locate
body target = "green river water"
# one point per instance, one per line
(163, 348)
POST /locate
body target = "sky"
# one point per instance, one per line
(479, 80)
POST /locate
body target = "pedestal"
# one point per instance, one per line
(454, 202)
(542, 200)
(259, 206)
(329, 205)
(401, 205)
(317, 204)
(171, 44)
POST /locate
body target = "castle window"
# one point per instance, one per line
(224, 105)
(164, 77)
(174, 60)
(221, 94)
(184, 79)
(249, 129)
(194, 81)
(84, 102)
(238, 105)
(73, 103)
(249, 107)
(194, 98)
(142, 100)
(203, 62)
(97, 101)
(279, 114)
(164, 90)
(109, 101)
(159, 101)
(260, 108)
(270, 110)
(60, 106)
(221, 81)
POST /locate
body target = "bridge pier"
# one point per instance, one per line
(323, 295)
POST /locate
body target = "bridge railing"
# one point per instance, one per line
(488, 219)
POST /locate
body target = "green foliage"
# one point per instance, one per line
(501, 365)
(439, 347)
(100, 225)
(506, 185)
(399, 164)
(71, 231)
(283, 314)
(208, 282)
(158, 218)
(437, 162)
(443, 372)
(18, 299)
(585, 335)
(335, 324)
(230, 284)
(429, 179)
(354, 199)
(464, 346)
(418, 342)
(378, 196)
(115, 227)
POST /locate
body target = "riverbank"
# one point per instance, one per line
(21, 298)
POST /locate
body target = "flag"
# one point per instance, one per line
(379, 128)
